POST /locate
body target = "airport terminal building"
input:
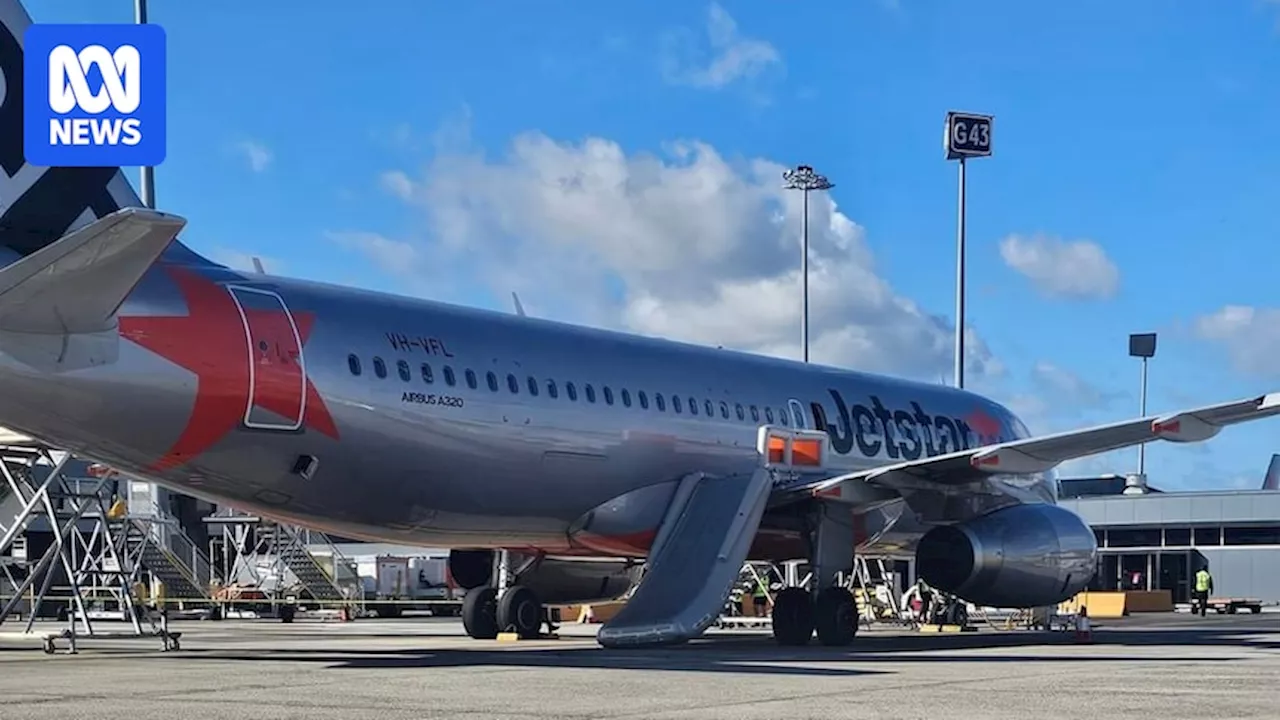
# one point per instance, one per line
(1162, 538)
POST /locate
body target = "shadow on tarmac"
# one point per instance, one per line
(759, 655)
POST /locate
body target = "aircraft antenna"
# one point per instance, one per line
(519, 308)
(257, 266)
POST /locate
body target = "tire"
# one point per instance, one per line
(835, 616)
(520, 612)
(479, 613)
(792, 617)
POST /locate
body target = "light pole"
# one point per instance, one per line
(1142, 345)
(804, 179)
(967, 135)
(147, 183)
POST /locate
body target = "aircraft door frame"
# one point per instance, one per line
(291, 424)
(798, 419)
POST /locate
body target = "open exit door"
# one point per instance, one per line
(277, 370)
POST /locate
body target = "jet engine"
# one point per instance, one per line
(1016, 557)
(555, 581)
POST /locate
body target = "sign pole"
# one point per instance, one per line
(959, 370)
(967, 135)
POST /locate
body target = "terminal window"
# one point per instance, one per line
(1251, 535)
(1208, 536)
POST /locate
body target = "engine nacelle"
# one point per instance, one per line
(1016, 557)
(555, 581)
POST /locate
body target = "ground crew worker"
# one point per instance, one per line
(760, 594)
(1204, 586)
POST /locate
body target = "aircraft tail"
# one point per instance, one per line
(1271, 481)
(39, 205)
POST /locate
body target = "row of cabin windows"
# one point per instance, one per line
(641, 398)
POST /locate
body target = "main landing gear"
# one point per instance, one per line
(488, 610)
(831, 610)
(832, 613)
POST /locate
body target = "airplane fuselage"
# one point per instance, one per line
(443, 425)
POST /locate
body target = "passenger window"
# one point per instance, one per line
(782, 417)
(533, 386)
(449, 378)
(551, 389)
(608, 395)
(711, 411)
(626, 398)
(724, 410)
(427, 376)
(353, 364)
(492, 379)
(471, 379)
(738, 409)
(693, 406)
(591, 393)
(768, 415)
(379, 367)
(644, 400)
(675, 403)
(573, 391)
(513, 384)
(755, 414)
(659, 402)
(402, 367)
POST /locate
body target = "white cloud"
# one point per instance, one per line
(397, 183)
(1075, 269)
(394, 257)
(689, 246)
(1066, 388)
(238, 260)
(1250, 335)
(258, 155)
(732, 56)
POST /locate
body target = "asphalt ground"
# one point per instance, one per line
(1159, 666)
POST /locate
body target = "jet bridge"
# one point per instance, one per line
(704, 540)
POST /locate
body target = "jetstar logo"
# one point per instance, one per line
(902, 433)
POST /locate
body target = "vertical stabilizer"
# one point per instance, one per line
(1272, 479)
(39, 205)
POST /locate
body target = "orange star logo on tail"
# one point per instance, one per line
(213, 342)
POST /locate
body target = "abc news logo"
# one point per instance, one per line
(94, 95)
(69, 90)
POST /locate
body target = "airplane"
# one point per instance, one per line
(554, 461)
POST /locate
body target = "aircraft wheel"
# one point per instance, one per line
(835, 615)
(520, 612)
(480, 613)
(792, 616)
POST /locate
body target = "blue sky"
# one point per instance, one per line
(377, 149)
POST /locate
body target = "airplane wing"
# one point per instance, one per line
(1039, 454)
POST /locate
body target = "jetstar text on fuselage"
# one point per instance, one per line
(901, 433)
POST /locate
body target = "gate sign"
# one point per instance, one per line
(968, 135)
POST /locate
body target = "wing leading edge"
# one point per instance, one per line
(1040, 454)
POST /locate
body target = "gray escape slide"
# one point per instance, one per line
(697, 556)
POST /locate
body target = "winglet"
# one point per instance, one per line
(76, 283)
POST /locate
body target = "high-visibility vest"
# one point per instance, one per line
(1202, 581)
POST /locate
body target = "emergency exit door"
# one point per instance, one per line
(277, 372)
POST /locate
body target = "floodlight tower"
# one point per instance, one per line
(147, 181)
(804, 179)
(1142, 345)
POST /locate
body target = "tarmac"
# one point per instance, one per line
(1166, 666)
